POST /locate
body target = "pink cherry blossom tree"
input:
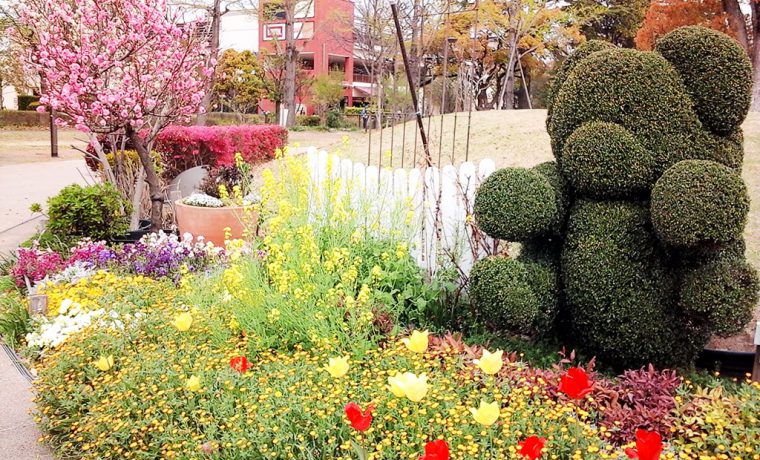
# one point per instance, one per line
(129, 67)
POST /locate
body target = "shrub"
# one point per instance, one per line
(724, 291)
(516, 204)
(183, 147)
(639, 91)
(335, 119)
(581, 53)
(604, 159)
(96, 211)
(551, 172)
(513, 295)
(26, 101)
(617, 284)
(308, 120)
(698, 201)
(716, 72)
(14, 118)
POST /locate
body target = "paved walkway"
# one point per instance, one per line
(20, 186)
(27, 183)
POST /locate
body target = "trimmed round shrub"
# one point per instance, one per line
(639, 91)
(581, 53)
(617, 285)
(604, 159)
(728, 150)
(725, 291)
(550, 171)
(699, 201)
(502, 296)
(96, 211)
(716, 71)
(516, 204)
(544, 280)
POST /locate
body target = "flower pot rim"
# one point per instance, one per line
(181, 203)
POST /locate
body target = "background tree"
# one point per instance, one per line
(666, 15)
(326, 93)
(129, 67)
(240, 81)
(615, 21)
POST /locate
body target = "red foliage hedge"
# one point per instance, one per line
(183, 147)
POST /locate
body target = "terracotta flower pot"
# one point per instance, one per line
(211, 222)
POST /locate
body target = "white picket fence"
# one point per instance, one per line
(441, 200)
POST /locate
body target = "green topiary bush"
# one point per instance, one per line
(724, 291)
(604, 159)
(699, 201)
(96, 211)
(716, 72)
(516, 204)
(642, 252)
(583, 51)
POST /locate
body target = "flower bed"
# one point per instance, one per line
(309, 344)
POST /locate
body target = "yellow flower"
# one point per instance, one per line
(486, 414)
(337, 367)
(104, 363)
(417, 342)
(183, 321)
(490, 363)
(409, 385)
(193, 383)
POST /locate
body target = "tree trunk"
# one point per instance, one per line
(216, 17)
(154, 184)
(755, 56)
(737, 22)
(291, 59)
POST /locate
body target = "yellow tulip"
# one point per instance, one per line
(396, 385)
(337, 367)
(193, 383)
(104, 363)
(417, 342)
(183, 321)
(490, 363)
(486, 414)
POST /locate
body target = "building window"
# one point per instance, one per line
(274, 32)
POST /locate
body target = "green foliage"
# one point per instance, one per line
(724, 291)
(240, 81)
(641, 92)
(516, 204)
(327, 92)
(25, 101)
(581, 53)
(14, 318)
(699, 201)
(308, 120)
(616, 282)
(95, 211)
(562, 191)
(604, 159)
(716, 72)
(615, 21)
(335, 119)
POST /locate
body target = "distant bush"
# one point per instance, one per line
(23, 118)
(28, 102)
(183, 147)
(96, 211)
(308, 120)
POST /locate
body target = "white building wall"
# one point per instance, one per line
(239, 31)
(10, 98)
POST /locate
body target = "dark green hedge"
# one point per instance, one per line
(639, 91)
(699, 201)
(502, 296)
(516, 204)
(562, 194)
(28, 102)
(717, 74)
(618, 287)
(605, 160)
(724, 291)
(581, 53)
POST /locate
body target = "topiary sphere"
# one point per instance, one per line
(699, 201)
(641, 92)
(717, 74)
(581, 53)
(516, 204)
(604, 159)
(617, 284)
(725, 291)
(502, 295)
(550, 171)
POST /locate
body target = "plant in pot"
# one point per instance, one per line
(226, 206)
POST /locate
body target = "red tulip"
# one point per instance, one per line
(575, 383)
(359, 420)
(648, 446)
(240, 364)
(436, 450)
(531, 448)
